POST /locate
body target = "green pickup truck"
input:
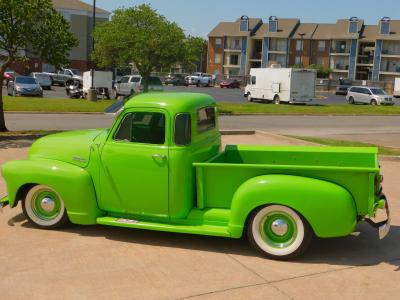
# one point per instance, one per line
(159, 167)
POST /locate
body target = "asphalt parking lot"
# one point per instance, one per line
(221, 95)
(101, 262)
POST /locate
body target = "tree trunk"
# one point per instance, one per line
(146, 79)
(3, 127)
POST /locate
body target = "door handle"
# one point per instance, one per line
(159, 156)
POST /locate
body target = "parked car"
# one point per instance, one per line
(175, 79)
(343, 86)
(63, 75)
(159, 168)
(198, 79)
(24, 86)
(8, 75)
(43, 79)
(368, 95)
(132, 84)
(230, 83)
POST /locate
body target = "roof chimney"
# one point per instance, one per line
(353, 25)
(244, 23)
(385, 25)
(273, 24)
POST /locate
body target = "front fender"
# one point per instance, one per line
(73, 183)
(329, 208)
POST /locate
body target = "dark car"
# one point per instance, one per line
(230, 83)
(175, 79)
(343, 87)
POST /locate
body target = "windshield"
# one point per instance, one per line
(76, 72)
(378, 92)
(25, 80)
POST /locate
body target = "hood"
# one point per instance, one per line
(73, 147)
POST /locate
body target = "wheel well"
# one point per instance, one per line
(246, 223)
(276, 96)
(22, 191)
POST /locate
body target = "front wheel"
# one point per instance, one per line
(279, 232)
(351, 100)
(277, 100)
(44, 207)
(373, 102)
(249, 98)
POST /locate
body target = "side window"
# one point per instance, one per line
(205, 119)
(183, 129)
(142, 127)
(124, 79)
(253, 79)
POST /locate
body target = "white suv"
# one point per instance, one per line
(368, 95)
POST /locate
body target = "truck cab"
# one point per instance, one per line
(159, 167)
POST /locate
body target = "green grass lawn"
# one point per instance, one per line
(54, 105)
(81, 105)
(285, 109)
(342, 143)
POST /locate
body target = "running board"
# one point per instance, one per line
(192, 229)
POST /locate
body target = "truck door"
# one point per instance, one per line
(135, 162)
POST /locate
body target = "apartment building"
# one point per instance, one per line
(350, 48)
(228, 47)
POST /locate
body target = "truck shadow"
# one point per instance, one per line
(363, 250)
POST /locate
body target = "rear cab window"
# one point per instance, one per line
(205, 119)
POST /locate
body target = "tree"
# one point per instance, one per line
(194, 47)
(31, 28)
(141, 36)
(322, 72)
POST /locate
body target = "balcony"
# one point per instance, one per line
(390, 66)
(365, 60)
(391, 49)
(340, 48)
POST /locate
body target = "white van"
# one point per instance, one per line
(281, 85)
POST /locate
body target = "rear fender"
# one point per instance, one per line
(329, 208)
(73, 183)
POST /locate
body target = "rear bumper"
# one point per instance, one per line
(301, 100)
(383, 226)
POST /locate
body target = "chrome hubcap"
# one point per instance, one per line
(279, 227)
(47, 204)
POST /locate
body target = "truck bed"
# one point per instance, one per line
(352, 168)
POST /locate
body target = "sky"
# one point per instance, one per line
(199, 17)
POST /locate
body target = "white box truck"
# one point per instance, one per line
(396, 89)
(102, 83)
(281, 85)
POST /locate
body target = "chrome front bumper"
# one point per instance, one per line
(383, 226)
(3, 203)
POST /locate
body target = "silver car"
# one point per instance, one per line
(24, 86)
(43, 79)
(368, 95)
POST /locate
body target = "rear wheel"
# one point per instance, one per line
(277, 100)
(373, 102)
(278, 232)
(249, 98)
(44, 207)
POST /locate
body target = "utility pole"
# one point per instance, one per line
(302, 47)
(92, 94)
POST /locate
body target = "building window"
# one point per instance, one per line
(67, 16)
(234, 59)
(321, 46)
(320, 61)
(218, 43)
(297, 60)
(217, 58)
(299, 45)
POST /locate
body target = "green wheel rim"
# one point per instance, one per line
(38, 208)
(273, 239)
